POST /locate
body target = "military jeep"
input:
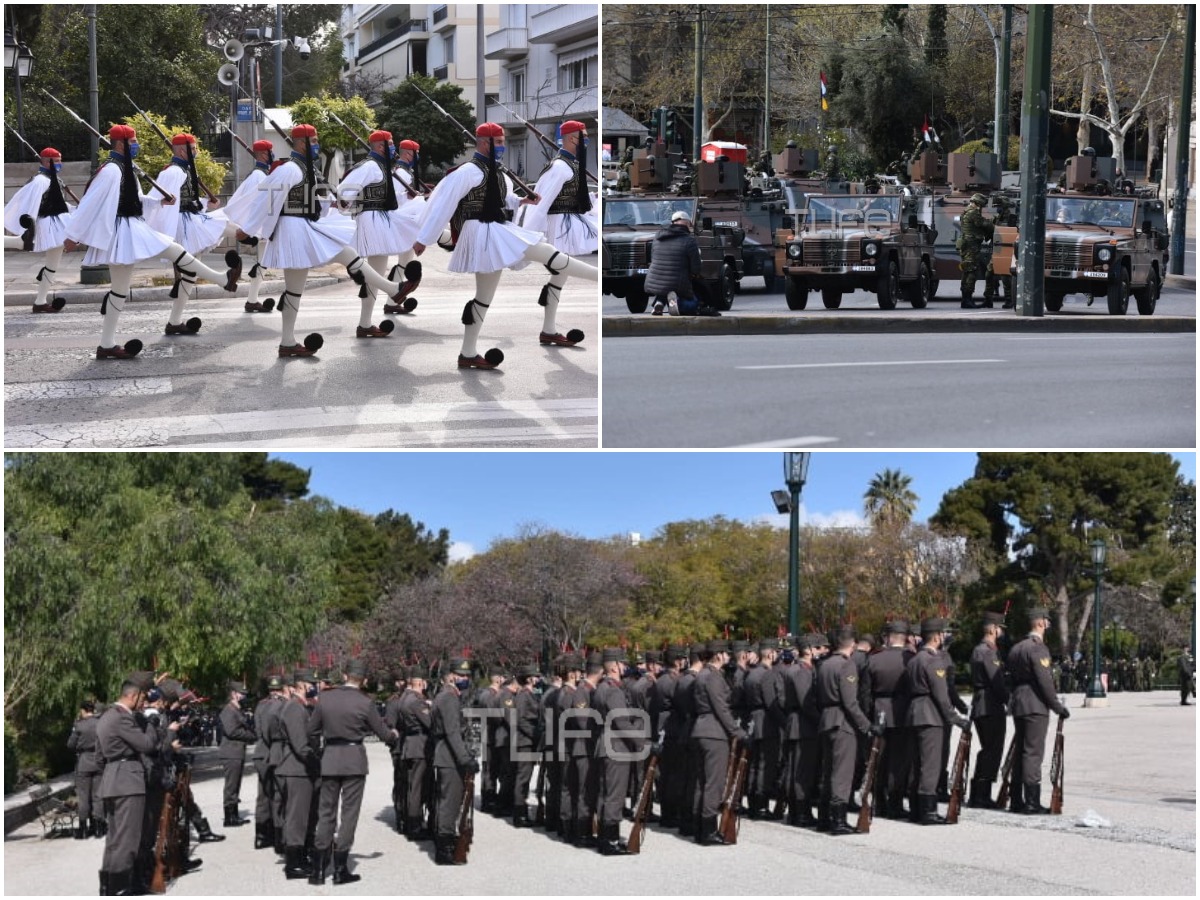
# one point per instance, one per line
(877, 242)
(630, 223)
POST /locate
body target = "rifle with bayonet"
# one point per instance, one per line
(422, 187)
(37, 155)
(166, 140)
(521, 186)
(958, 780)
(236, 137)
(545, 140)
(169, 197)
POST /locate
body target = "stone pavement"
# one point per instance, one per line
(1134, 763)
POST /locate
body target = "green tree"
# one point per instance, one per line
(273, 479)
(936, 48)
(354, 112)
(406, 114)
(1036, 514)
(155, 154)
(889, 502)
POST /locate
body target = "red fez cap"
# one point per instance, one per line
(571, 126)
(489, 129)
(182, 138)
(261, 146)
(384, 136)
(304, 131)
(409, 145)
(50, 151)
(121, 133)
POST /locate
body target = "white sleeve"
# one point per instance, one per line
(444, 200)
(357, 179)
(25, 202)
(160, 216)
(549, 186)
(95, 219)
(262, 217)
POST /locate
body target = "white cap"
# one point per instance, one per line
(680, 216)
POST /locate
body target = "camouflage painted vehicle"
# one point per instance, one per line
(882, 243)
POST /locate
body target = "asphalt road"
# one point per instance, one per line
(1133, 763)
(901, 390)
(226, 387)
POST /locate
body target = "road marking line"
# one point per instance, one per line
(853, 365)
(84, 388)
(789, 442)
(429, 438)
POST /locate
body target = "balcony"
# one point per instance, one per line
(547, 110)
(440, 14)
(507, 43)
(562, 24)
(412, 26)
(441, 73)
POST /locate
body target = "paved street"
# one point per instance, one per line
(225, 387)
(956, 390)
(1133, 763)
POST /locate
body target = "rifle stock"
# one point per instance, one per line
(540, 816)
(466, 820)
(867, 799)
(634, 844)
(1005, 777)
(958, 779)
(1056, 772)
(728, 823)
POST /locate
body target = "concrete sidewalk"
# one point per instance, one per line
(1133, 763)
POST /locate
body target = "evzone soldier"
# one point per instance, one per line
(266, 711)
(411, 200)
(296, 771)
(841, 719)
(88, 769)
(369, 191)
(612, 732)
(712, 734)
(236, 734)
(472, 200)
(1033, 698)
(523, 727)
(40, 214)
(989, 706)
(109, 220)
(668, 726)
(565, 215)
(344, 716)
(930, 712)
(392, 719)
(451, 759)
(185, 220)
(763, 694)
(237, 210)
(289, 215)
(415, 724)
(886, 673)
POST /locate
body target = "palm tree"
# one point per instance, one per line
(888, 501)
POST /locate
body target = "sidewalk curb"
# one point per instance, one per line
(1180, 281)
(162, 292)
(646, 326)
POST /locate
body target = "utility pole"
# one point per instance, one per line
(93, 85)
(278, 57)
(1035, 142)
(1003, 66)
(698, 104)
(767, 90)
(1182, 130)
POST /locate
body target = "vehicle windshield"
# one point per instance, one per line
(1110, 212)
(879, 210)
(638, 211)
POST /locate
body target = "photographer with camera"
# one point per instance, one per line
(236, 733)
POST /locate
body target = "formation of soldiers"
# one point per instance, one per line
(799, 714)
(383, 210)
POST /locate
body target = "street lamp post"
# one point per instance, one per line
(1095, 693)
(795, 473)
(18, 58)
(842, 605)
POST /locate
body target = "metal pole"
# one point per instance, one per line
(1182, 131)
(1002, 88)
(1096, 690)
(698, 79)
(278, 56)
(17, 78)
(767, 90)
(794, 566)
(480, 79)
(93, 85)
(1035, 141)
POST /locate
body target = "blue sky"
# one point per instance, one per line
(480, 497)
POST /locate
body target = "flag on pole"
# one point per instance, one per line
(925, 130)
(824, 93)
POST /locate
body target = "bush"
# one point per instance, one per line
(1014, 150)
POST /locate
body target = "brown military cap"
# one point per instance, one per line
(236, 686)
(357, 668)
(1039, 612)
(896, 626)
(653, 656)
(528, 670)
(816, 639)
(459, 666)
(274, 682)
(842, 634)
(304, 674)
(143, 681)
(719, 646)
(932, 626)
(415, 672)
(993, 618)
(738, 647)
(612, 654)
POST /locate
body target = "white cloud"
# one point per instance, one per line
(839, 518)
(461, 551)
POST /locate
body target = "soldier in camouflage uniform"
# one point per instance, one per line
(975, 230)
(993, 283)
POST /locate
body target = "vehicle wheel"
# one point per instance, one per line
(728, 288)
(1118, 294)
(1147, 297)
(933, 287)
(795, 291)
(831, 298)
(889, 286)
(637, 300)
(1053, 301)
(917, 293)
(769, 282)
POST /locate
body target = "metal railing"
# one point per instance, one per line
(440, 14)
(406, 28)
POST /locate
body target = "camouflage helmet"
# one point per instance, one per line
(979, 199)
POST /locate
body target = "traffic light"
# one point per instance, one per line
(989, 131)
(670, 128)
(653, 124)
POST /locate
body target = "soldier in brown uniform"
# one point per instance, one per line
(548, 747)
(571, 748)
(641, 696)
(522, 729)
(685, 706)
(929, 714)
(956, 700)
(391, 718)
(266, 711)
(989, 706)
(88, 767)
(414, 750)
(236, 734)
(493, 697)
(296, 769)
(801, 737)
(610, 751)
(885, 671)
(1032, 699)
(344, 716)
(763, 694)
(712, 735)
(841, 719)
(451, 759)
(667, 724)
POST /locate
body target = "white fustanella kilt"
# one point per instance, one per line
(133, 240)
(491, 246)
(574, 235)
(50, 232)
(199, 232)
(300, 244)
